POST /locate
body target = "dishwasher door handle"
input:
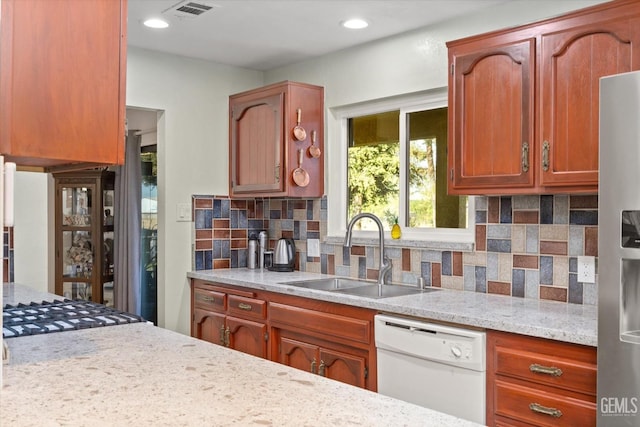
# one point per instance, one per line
(409, 327)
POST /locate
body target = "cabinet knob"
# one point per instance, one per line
(313, 366)
(321, 368)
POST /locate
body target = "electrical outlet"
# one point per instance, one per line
(586, 269)
(313, 247)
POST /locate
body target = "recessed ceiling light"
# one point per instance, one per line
(355, 24)
(156, 23)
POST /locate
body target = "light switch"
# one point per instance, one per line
(313, 247)
(183, 212)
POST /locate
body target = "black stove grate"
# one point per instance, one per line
(60, 315)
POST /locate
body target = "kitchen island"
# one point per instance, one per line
(571, 323)
(139, 374)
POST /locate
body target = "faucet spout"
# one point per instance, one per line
(385, 263)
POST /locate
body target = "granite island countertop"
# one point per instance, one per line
(559, 321)
(143, 375)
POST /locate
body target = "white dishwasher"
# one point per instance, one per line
(435, 366)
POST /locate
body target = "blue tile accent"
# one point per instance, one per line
(517, 282)
(290, 209)
(505, 210)
(346, 256)
(313, 234)
(573, 265)
(199, 222)
(583, 217)
(234, 258)
(481, 279)
(309, 210)
(447, 266)
(425, 272)
(217, 249)
(469, 273)
(546, 209)
(256, 224)
(296, 230)
(546, 270)
(226, 249)
(243, 222)
(575, 289)
(324, 263)
(499, 245)
(199, 259)
(233, 219)
(481, 217)
(208, 260)
(225, 207)
(274, 214)
(217, 208)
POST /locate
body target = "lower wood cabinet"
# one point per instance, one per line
(229, 317)
(538, 382)
(327, 339)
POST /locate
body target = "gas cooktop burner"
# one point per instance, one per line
(60, 315)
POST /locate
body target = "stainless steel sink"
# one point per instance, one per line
(360, 288)
(384, 291)
(329, 284)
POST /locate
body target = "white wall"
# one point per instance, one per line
(192, 154)
(31, 230)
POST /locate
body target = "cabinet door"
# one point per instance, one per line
(247, 336)
(208, 326)
(298, 354)
(347, 368)
(256, 158)
(572, 62)
(62, 81)
(491, 100)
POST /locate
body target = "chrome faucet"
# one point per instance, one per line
(385, 262)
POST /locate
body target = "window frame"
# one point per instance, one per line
(336, 178)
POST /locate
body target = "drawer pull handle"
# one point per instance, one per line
(525, 157)
(313, 366)
(547, 370)
(243, 306)
(545, 155)
(227, 335)
(538, 408)
(205, 298)
(222, 340)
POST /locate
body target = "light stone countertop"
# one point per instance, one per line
(143, 375)
(571, 323)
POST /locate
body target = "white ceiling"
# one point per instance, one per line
(266, 34)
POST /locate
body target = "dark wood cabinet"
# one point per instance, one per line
(538, 382)
(62, 82)
(524, 101)
(263, 151)
(84, 235)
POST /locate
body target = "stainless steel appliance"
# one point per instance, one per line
(284, 255)
(59, 316)
(435, 366)
(619, 252)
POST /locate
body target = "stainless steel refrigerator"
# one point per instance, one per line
(619, 252)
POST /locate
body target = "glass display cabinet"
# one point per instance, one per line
(84, 235)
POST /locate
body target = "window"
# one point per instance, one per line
(395, 160)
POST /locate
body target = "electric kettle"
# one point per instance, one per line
(284, 255)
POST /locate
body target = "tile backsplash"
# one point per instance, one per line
(526, 246)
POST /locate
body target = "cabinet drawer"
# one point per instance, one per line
(541, 408)
(247, 307)
(327, 324)
(209, 300)
(545, 369)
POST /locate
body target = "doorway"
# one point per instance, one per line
(143, 122)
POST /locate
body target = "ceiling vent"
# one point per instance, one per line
(189, 9)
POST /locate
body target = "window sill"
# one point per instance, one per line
(405, 243)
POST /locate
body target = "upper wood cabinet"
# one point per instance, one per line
(524, 102)
(263, 151)
(62, 82)
(492, 112)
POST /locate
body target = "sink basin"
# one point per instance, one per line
(360, 288)
(384, 291)
(329, 284)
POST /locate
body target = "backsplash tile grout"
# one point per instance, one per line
(526, 246)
